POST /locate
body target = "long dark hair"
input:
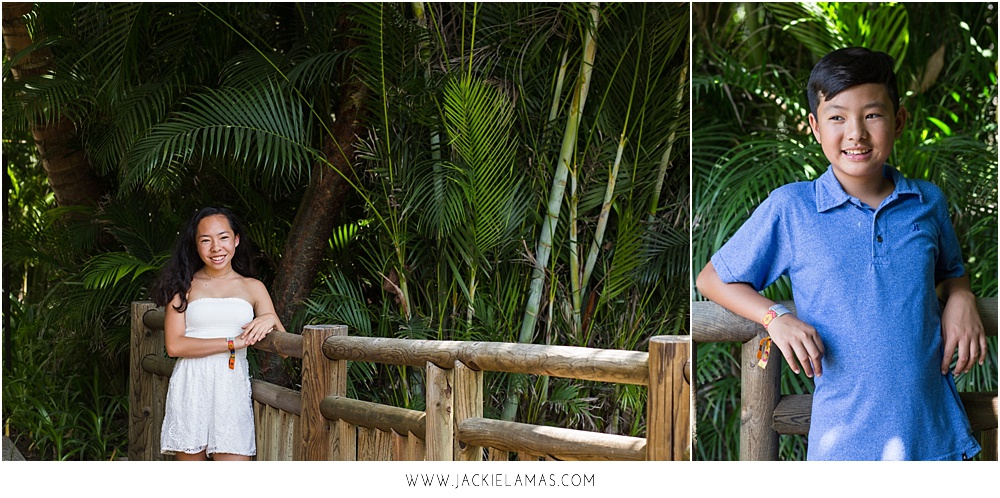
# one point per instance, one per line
(175, 278)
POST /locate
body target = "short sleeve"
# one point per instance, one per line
(758, 253)
(949, 261)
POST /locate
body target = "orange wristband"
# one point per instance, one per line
(232, 354)
(763, 352)
(764, 348)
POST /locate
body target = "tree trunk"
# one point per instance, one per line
(315, 219)
(70, 175)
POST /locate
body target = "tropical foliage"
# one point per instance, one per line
(438, 139)
(750, 134)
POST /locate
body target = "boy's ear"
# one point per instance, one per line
(815, 129)
(901, 117)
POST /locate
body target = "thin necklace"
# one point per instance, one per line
(220, 276)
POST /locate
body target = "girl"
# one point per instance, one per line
(214, 310)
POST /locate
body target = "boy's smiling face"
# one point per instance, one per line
(857, 129)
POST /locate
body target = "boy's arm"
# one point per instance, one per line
(961, 326)
(795, 338)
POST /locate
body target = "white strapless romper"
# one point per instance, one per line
(208, 405)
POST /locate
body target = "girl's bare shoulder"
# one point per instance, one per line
(255, 288)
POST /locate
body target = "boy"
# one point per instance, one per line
(865, 249)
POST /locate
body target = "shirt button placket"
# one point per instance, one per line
(880, 234)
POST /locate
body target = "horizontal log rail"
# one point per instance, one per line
(361, 413)
(282, 398)
(374, 415)
(603, 365)
(552, 442)
(792, 414)
(713, 323)
(282, 343)
(158, 365)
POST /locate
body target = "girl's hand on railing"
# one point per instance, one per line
(259, 327)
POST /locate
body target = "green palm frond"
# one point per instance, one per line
(664, 252)
(109, 268)
(42, 99)
(127, 119)
(810, 24)
(436, 193)
(478, 119)
(251, 69)
(118, 34)
(261, 127)
(627, 256)
(315, 73)
(341, 302)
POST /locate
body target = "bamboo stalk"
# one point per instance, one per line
(575, 278)
(567, 153)
(665, 159)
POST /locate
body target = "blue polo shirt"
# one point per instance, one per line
(865, 278)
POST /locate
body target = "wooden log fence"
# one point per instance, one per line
(320, 422)
(765, 413)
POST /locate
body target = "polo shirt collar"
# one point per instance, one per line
(829, 193)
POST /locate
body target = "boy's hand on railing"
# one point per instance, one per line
(962, 330)
(798, 340)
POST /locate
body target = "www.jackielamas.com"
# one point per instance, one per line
(499, 480)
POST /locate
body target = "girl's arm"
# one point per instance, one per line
(265, 318)
(795, 338)
(181, 346)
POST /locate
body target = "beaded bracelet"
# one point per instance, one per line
(232, 353)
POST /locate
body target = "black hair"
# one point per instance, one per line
(175, 278)
(848, 67)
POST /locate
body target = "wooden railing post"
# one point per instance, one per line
(668, 414)
(760, 390)
(440, 432)
(468, 404)
(147, 392)
(320, 377)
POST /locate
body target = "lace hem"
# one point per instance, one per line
(189, 451)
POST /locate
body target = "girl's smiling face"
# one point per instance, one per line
(857, 129)
(216, 244)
